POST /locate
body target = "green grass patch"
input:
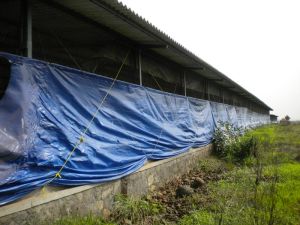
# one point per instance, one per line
(79, 220)
(264, 189)
(213, 165)
(137, 211)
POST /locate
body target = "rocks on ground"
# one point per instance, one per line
(176, 195)
(184, 190)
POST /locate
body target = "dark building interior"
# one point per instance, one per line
(96, 35)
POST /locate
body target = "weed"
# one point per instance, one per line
(212, 165)
(200, 217)
(135, 210)
(78, 220)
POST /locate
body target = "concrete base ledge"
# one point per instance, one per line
(56, 202)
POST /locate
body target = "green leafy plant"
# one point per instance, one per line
(231, 143)
(197, 218)
(136, 211)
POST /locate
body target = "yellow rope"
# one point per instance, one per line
(81, 138)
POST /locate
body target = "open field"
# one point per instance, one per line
(260, 188)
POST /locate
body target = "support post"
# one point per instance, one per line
(26, 28)
(207, 91)
(184, 83)
(223, 96)
(140, 66)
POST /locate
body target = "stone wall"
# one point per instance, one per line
(98, 199)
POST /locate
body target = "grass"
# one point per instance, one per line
(79, 220)
(126, 211)
(137, 211)
(265, 190)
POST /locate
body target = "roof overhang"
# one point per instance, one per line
(133, 30)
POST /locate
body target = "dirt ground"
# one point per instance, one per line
(178, 204)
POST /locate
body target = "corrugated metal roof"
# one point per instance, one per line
(124, 21)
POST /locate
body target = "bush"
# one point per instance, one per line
(232, 143)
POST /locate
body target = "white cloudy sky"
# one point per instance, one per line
(254, 42)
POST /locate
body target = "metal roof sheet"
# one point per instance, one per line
(121, 19)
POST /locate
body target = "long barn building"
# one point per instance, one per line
(95, 35)
(90, 91)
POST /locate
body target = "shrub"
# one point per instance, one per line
(232, 143)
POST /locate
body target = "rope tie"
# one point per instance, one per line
(81, 137)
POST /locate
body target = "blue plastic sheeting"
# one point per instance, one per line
(47, 106)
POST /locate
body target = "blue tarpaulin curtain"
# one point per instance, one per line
(46, 106)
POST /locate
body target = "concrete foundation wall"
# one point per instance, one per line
(98, 199)
(157, 173)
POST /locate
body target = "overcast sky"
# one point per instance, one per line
(254, 42)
